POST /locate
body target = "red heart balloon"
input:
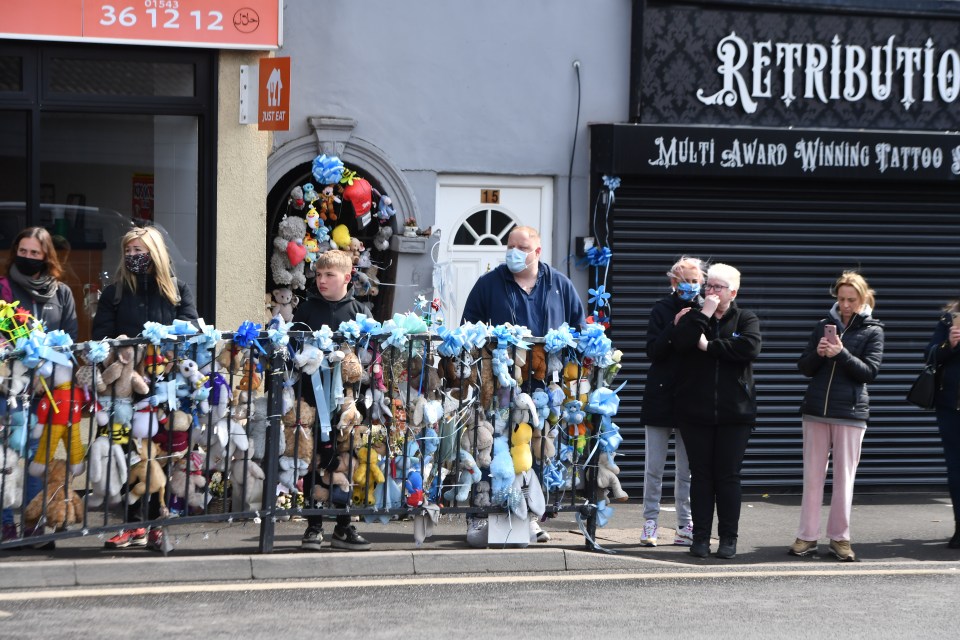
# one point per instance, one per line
(359, 195)
(296, 253)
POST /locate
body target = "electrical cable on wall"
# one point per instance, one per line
(573, 152)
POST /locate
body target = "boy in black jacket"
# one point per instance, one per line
(332, 306)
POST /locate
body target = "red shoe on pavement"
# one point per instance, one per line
(127, 538)
(155, 540)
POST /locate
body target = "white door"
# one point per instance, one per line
(475, 214)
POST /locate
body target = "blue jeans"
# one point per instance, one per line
(32, 486)
(949, 423)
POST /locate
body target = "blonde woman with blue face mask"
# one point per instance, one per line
(524, 291)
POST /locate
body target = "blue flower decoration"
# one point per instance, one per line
(327, 169)
(246, 335)
(599, 256)
(604, 513)
(453, 341)
(155, 332)
(97, 351)
(598, 296)
(594, 343)
(368, 326)
(611, 182)
(557, 339)
(475, 335)
(324, 338)
(350, 330)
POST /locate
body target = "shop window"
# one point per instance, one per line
(120, 77)
(11, 73)
(488, 227)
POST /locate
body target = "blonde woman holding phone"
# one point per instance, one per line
(842, 356)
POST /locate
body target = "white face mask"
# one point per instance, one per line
(516, 260)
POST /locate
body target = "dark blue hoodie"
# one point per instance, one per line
(496, 298)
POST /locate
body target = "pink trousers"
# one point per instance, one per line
(820, 439)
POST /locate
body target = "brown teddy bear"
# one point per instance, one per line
(535, 364)
(607, 471)
(350, 422)
(299, 433)
(336, 478)
(478, 439)
(63, 507)
(147, 477)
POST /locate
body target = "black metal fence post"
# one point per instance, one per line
(271, 456)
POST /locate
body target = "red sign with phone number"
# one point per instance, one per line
(222, 24)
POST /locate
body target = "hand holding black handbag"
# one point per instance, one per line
(924, 388)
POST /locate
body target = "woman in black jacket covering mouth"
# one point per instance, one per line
(716, 405)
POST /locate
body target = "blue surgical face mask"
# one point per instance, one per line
(688, 291)
(516, 260)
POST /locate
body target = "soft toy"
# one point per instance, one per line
(350, 417)
(576, 379)
(555, 392)
(291, 470)
(62, 507)
(614, 368)
(310, 194)
(284, 302)
(520, 447)
(191, 383)
(481, 494)
(381, 241)
(541, 402)
(366, 476)
(107, 472)
(12, 478)
(119, 381)
(501, 468)
(247, 483)
(327, 199)
(312, 218)
(286, 262)
(360, 194)
(524, 409)
(414, 488)
(385, 209)
(356, 248)
(478, 438)
(298, 431)
(297, 200)
(190, 488)
(146, 477)
(535, 365)
(607, 472)
(334, 484)
(340, 237)
(59, 424)
(544, 443)
(173, 439)
(351, 371)
(469, 473)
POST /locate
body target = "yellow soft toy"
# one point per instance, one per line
(367, 468)
(520, 447)
(340, 236)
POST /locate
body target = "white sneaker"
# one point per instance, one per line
(684, 537)
(649, 536)
(537, 533)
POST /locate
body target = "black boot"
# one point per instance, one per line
(727, 548)
(955, 540)
(700, 547)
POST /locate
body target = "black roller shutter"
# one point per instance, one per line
(791, 241)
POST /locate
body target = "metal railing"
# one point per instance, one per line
(201, 428)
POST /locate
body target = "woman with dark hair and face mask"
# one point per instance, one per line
(146, 289)
(32, 281)
(33, 276)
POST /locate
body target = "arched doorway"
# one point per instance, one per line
(278, 206)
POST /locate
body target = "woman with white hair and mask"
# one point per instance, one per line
(716, 405)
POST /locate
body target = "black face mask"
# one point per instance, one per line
(29, 266)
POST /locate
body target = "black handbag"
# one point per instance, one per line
(924, 388)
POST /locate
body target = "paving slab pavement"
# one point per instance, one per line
(901, 529)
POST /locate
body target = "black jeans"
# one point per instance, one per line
(716, 457)
(326, 458)
(949, 423)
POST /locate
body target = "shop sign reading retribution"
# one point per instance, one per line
(223, 24)
(800, 69)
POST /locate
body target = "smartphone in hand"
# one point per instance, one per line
(830, 333)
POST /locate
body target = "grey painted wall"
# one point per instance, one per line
(445, 86)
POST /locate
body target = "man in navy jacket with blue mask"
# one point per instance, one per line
(525, 291)
(529, 293)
